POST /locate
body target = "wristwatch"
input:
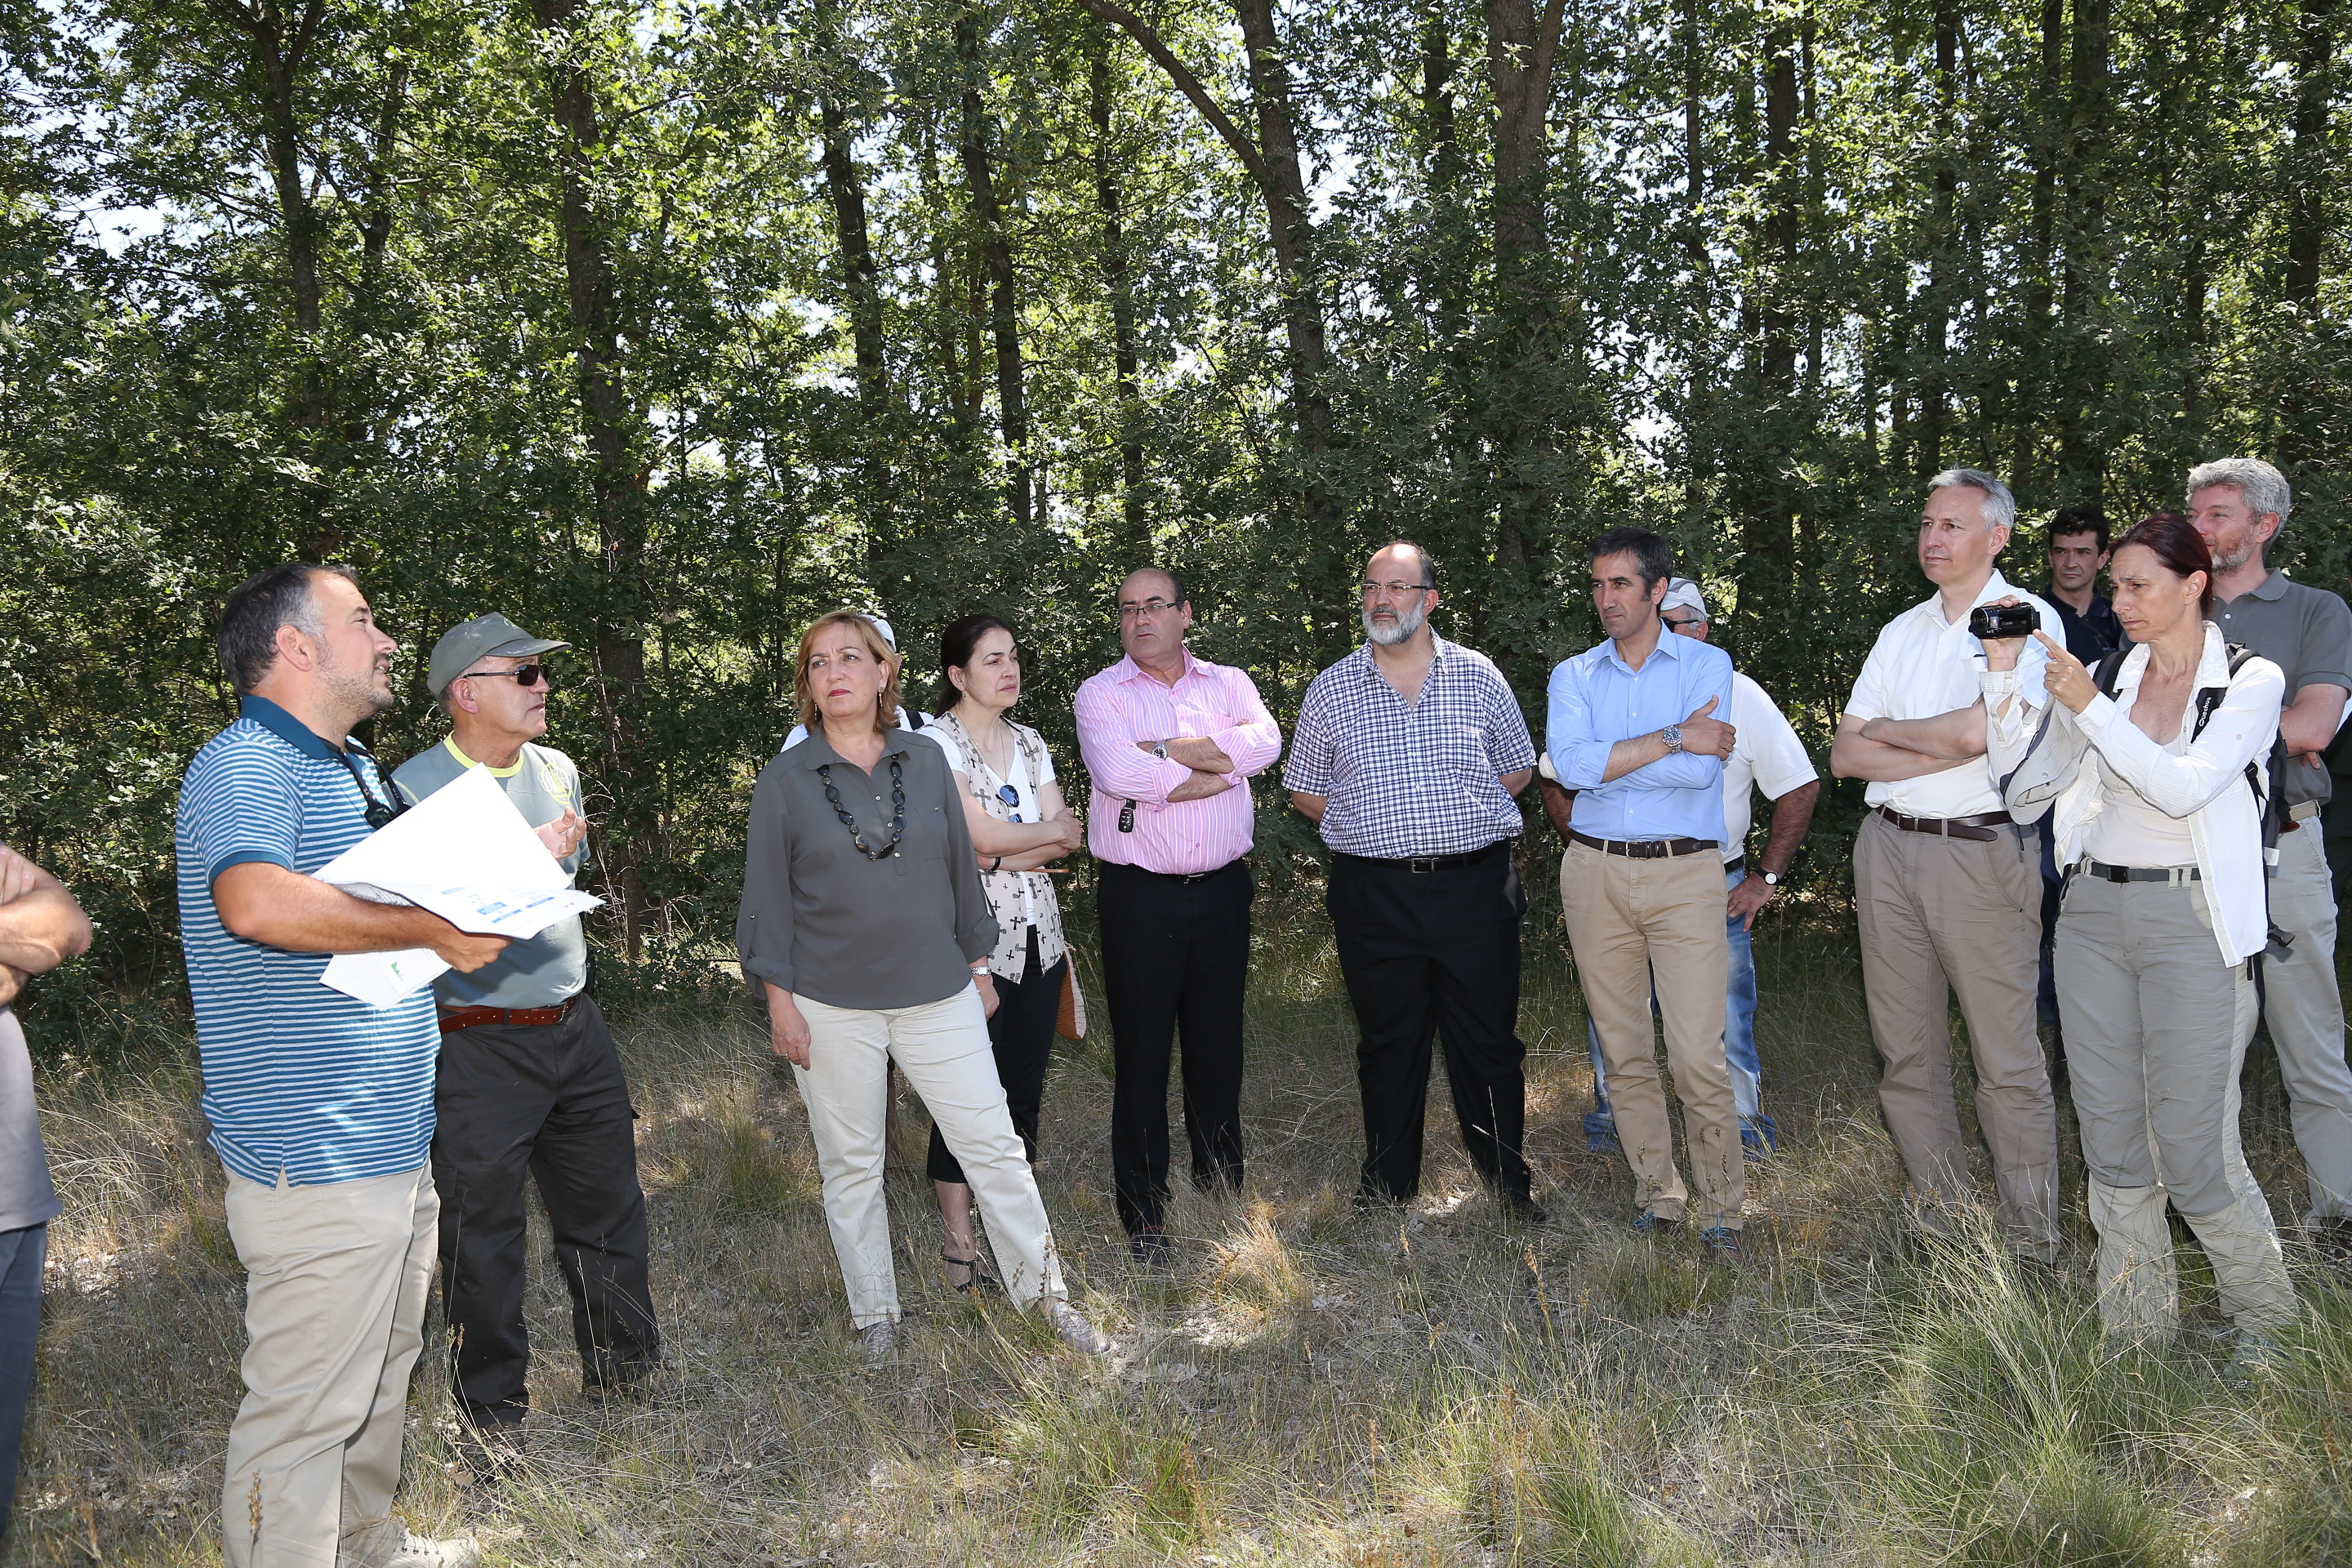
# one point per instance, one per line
(1159, 749)
(1673, 736)
(1771, 879)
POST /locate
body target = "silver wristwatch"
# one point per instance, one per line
(1159, 749)
(1673, 736)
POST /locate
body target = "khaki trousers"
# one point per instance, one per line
(1944, 916)
(1628, 920)
(2157, 1027)
(943, 1048)
(2300, 1001)
(336, 1281)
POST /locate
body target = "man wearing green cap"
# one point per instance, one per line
(528, 1078)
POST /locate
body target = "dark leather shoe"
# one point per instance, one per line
(1150, 1250)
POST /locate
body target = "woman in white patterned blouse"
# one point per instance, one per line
(1019, 824)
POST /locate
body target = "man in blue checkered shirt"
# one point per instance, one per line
(1407, 755)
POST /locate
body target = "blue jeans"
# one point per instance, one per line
(1756, 1129)
(22, 1253)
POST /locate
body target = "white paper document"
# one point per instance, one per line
(467, 854)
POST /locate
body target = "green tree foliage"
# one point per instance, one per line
(664, 327)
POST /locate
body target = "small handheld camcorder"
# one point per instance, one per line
(1991, 621)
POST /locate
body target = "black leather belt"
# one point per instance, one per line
(1184, 878)
(1737, 863)
(2105, 873)
(1645, 849)
(1981, 828)
(1421, 864)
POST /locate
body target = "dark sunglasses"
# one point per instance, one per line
(1010, 797)
(529, 676)
(378, 812)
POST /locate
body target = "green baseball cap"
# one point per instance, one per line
(485, 636)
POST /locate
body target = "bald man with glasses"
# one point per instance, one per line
(1172, 742)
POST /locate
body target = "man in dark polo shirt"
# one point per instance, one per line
(2078, 554)
(2238, 504)
(529, 1080)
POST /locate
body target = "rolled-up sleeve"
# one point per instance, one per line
(1580, 759)
(763, 923)
(1118, 768)
(1256, 740)
(1510, 747)
(1313, 752)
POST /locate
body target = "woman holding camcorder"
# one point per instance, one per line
(2157, 767)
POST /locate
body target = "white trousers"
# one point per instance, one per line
(943, 1048)
(336, 1281)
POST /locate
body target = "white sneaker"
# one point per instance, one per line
(877, 1343)
(1072, 1326)
(424, 1551)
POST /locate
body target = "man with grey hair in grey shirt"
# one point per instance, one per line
(40, 928)
(2239, 505)
(529, 1080)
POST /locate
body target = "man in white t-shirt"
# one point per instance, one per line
(1947, 888)
(1766, 755)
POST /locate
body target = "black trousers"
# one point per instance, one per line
(1434, 953)
(1175, 959)
(1020, 1034)
(548, 1099)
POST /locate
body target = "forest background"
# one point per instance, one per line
(662, 327)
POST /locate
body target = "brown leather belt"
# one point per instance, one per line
(1979, 827)
(1645, 849)
(508, 1017)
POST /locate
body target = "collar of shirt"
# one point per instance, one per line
(817, 750)
(1127, 669)
(1605, 651)
(1438, 650)
(2272, 589)
(294, 732)
(2213, 669)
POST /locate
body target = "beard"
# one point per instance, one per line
(355, 688)
(1407, 623)
(2240, 551)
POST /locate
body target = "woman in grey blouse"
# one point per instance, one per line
(864, 921)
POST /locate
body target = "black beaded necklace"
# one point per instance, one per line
(898, 804)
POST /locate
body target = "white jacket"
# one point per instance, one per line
(2205, 785)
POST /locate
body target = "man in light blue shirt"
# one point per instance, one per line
(1633, 731)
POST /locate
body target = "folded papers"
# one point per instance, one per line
(465, 853)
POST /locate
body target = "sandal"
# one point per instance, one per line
(977, 1276)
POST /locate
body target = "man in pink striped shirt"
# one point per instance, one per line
(1172, 742)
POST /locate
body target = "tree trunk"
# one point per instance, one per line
(1437, 100)
(846, 191)
(2307, 212)
(1696, 422)
(2083, 379)
(997, 250)
(1943, 264)
(1768, 524)
(2049, 120)
(613, 479)
(1520, 51)
(281, 47)
(1119, 280)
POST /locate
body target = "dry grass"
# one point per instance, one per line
(1311, 1386)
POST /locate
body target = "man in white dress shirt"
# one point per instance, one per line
(1947, 888)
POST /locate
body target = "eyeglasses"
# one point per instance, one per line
(1395, 590)
(1010, 797)
(378, 814)
(526, 677)
(1149, 607)
(1673, 625)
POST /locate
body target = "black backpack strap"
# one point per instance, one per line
(2108, 669)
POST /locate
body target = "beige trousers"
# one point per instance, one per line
(336, 1281)
(2157, 1027)
(943, 1048)
(1627, 919)
(1945, 916)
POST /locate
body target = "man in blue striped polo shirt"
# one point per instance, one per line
(321, 1106)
